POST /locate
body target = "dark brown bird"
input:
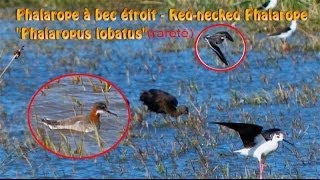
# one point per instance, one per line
(162, 102)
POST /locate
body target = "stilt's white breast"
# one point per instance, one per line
(265, 149)
(262, 147)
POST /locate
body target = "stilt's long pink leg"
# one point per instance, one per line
(260, 169)
(262, 166)
(284, 46)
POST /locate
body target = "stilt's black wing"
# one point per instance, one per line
(226, 34)
(264, 5)
(217, 50)
(247, 132)
(280, 31)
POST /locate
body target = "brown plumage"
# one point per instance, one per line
(162, 102)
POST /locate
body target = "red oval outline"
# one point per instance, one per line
(84, 157)
(195, 48)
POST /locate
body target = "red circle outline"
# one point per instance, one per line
(195, 48)
(84, 157)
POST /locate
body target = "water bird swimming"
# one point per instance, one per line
(81, 123)
(162, 102)
(257, 143)
(214, 40)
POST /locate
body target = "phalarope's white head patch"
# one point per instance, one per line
(100, 112)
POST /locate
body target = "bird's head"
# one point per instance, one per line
(101, 107)
(183, 109)
(206, 37)
(279, 136)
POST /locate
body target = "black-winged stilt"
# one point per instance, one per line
(216, 39)
(162, 102)
(284, 33)
(257, 143)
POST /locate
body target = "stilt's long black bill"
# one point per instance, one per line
(112, 113)
(288, 142)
